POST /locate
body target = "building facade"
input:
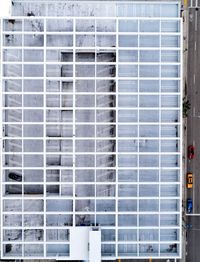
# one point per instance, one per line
(91, 130)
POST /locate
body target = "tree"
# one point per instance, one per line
(186, 107)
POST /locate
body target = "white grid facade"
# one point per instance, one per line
(91, 134)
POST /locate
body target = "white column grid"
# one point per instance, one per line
(138, 143)
(116, 140)
(2, 134)
(91, 33)
(125, 168)
(170, 18)
(160, 135)
(74, 183)
(89, 48)
(23, 254)
(74, 123)
(125, 108)
(91, 78)
(95, 125)
(91, 63)
(91, 93)
(61, 140)
(60, 85)
(181, 175)
(45, 143)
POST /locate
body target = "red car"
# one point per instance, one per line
(191, 152)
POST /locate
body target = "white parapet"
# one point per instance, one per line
(95, 246)
(5, 8)
(79, 242)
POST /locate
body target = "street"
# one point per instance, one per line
(193, 95)
(193, 239)
(193, 131)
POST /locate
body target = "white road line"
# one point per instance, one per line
(193, 196)
(194, 78)
(196, 21)
(191, 3)
(195, 45)
(196, 3)
(194, 111)
(193, 143)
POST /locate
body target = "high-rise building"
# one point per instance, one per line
(91, 111)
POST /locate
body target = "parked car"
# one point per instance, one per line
(15, 176)
(191, 154)
(189, 205)
(189, 180)
(188, 226)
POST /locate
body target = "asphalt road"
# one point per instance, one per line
(193, 132)
(193, 94)
(193, 236)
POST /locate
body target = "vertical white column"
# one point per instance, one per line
(116, 131)
(181, 136)
(61, 126)
(138, 136)
(95, 124)
(159, 164)
(44, 135)
(23, 137)
(2, 130)
(74, 120)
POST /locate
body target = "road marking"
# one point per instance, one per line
(194, 78)
(194, 111)
(195, 45)
(196, 21)
(193, 192)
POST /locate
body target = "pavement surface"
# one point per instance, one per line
(193, 239)
(193, 132)
(193, 95)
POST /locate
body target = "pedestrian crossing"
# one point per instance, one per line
(194, 3)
